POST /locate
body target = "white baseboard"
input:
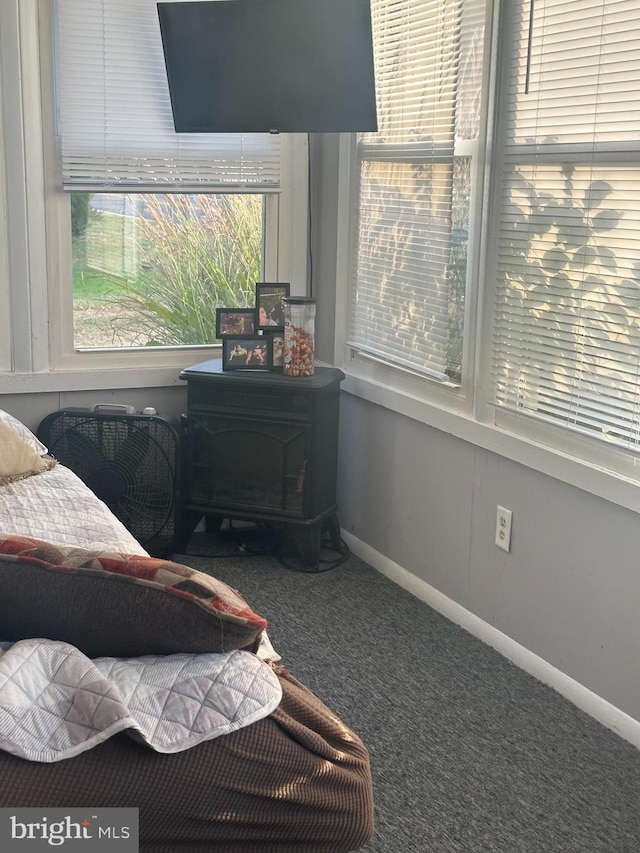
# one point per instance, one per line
(613, 718)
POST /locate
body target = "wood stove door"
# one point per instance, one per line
(248, 464)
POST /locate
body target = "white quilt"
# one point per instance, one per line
(56, 703)
(57, 506)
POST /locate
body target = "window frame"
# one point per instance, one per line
(390, 379)
(39, 234)
(5, 260)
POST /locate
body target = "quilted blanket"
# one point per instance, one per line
(56, 703)
(57, 506)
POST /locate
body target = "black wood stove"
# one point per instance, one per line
(263, 447)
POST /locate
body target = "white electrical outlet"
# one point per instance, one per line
(503, 528)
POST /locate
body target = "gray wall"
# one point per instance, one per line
(569, 590)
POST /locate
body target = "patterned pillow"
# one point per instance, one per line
(117, 605)
(17, 458)
(24, 432)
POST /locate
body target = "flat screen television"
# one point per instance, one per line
(269, 66)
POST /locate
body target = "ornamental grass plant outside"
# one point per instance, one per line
(154, 273)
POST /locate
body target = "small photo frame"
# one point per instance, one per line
(235, 321)
(243, 353)
(277, 348)
(269, 304)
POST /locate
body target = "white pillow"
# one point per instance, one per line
(24, 432)
(17, 458)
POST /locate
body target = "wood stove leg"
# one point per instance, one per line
(308, 542)
(187, 524)
(213, 523)
(333, 529)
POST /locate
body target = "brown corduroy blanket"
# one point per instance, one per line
(297, 781)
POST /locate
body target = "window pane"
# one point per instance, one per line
(469, 97)
(114, 112)
(410, 259)
(150, 270)
(577, 81)
(403, 252)
(567, 317)
(566, 341)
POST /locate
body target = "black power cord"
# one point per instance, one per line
(324, 564)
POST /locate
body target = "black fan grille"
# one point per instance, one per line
(130, 463)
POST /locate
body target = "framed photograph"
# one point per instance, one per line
(277, 348)
(235, 321)
(269, 305)
(243, 353)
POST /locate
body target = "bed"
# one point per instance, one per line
(130, 681)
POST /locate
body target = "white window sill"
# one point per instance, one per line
(596, 479)
(104, 376)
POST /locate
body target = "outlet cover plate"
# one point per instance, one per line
(503, 528)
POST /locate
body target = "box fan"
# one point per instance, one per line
(131, 461)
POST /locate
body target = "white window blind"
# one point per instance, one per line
(566, 344)
(115, 121)
(400, 297)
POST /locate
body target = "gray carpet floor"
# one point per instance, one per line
(469, 754)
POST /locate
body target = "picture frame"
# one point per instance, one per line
(269, 307)
(277, 347)
(235, 322)
(242, 352)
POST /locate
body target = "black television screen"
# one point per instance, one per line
(269, 65)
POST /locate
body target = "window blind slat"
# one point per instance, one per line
(115, 120)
